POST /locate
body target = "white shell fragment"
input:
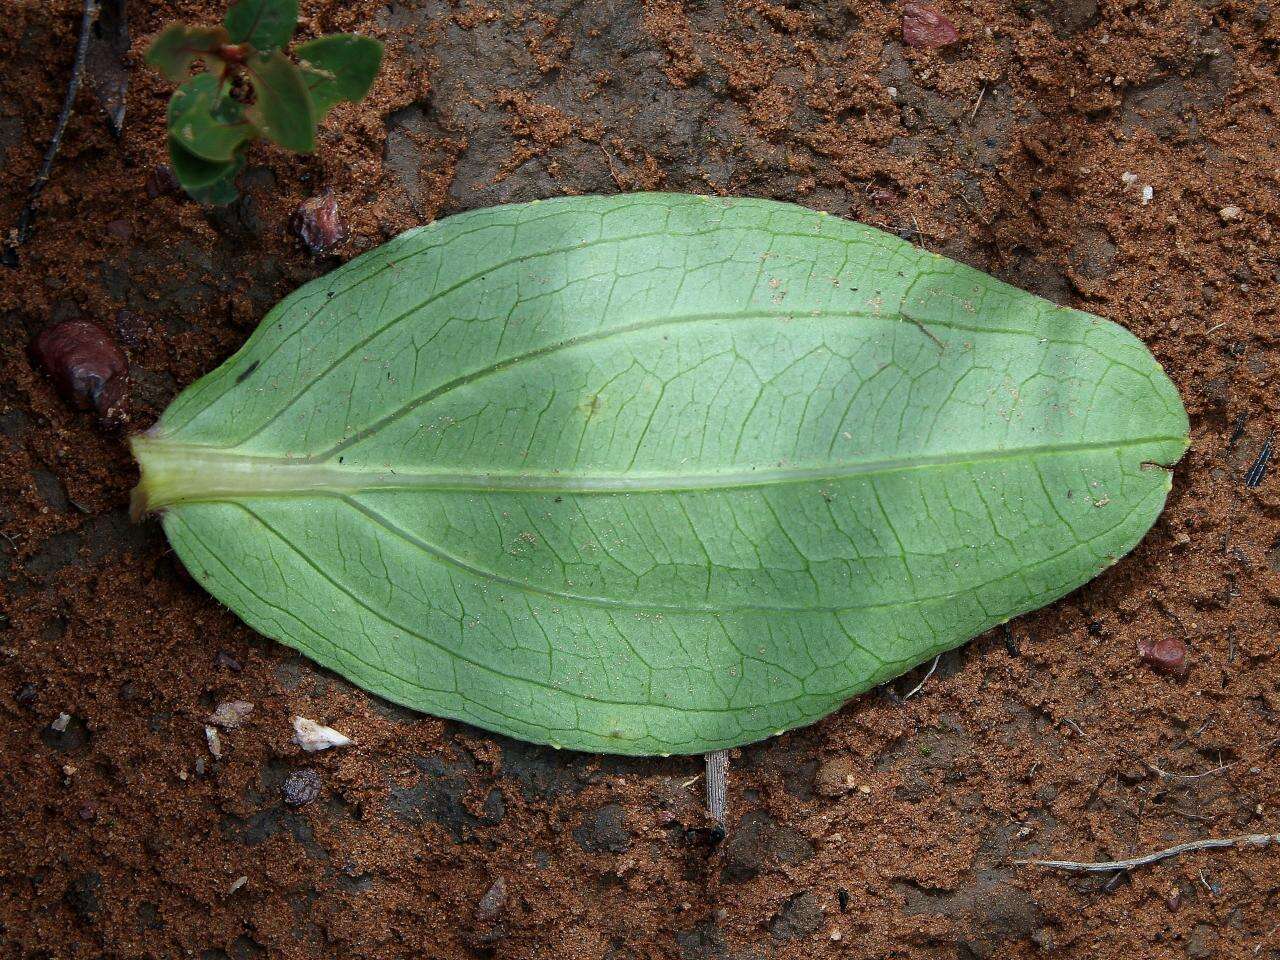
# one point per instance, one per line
(230, 714)
(236, 884)
(312, 736)
(1230, 213)
(215, 741)
(60, 725)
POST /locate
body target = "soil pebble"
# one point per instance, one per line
(603, 831)
(758, 842)
(230, 714)
(1167, 654)
(84, 363)
(926, 27)
(312, 736)
(301, 787)
(319, 224)
(835, 777)
(801, 917)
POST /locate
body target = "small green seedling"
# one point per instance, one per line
(250, 89)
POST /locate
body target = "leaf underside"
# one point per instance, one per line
(656, 473)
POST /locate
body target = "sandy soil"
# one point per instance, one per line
(123, 837)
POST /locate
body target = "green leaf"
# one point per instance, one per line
(283, 111)
(340, 66)
(220, 192)
(195, 172)
(205, 120)
(173, 51)
(656, 473)
(265, 24)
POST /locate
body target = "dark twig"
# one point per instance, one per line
(1256, 840)
(1259, 469)
(10, 255)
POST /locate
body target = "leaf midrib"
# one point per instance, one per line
(184, 473)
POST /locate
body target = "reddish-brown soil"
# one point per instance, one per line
(123, 837)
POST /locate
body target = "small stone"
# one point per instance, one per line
(236, 884)
(84, 363)
(604, 831)
(312, 736)
(801, 917)
(1129, 178)
(493, 902)
(1148, 194)
(214, 741)
(227, 662)
(318, 224)
(301, 787)
(25, 695)
(835, 777)
(1228, 214)
(230, 714)
(82, 895)
(925, 27)
(1168, 654)
(60, 724)
(161, 180)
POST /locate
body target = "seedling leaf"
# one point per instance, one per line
(205, 120)
(265, 24)
(656, 473)
(179, 44)
(194, 171)
(282, 112)
(340, 66)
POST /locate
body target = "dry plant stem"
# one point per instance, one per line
(717, 785)
(920, 686)
(1256, 840)
(89, 14)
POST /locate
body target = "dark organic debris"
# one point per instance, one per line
(85, 364)
(318, 224)
(926, 27)
(301, 787)
(105, 66)
(1237, 429)
(9, 255)
(1256, 472)
(1168, 654)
